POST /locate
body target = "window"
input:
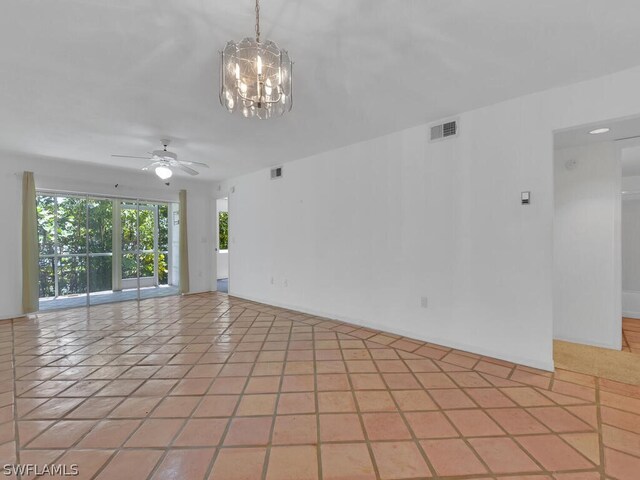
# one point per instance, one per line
(90, 244)
(62, 228)
(223, 230)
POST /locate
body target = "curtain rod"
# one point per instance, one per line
(99, 196)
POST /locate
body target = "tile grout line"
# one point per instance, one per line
(463, 437)
(265, 466)
(317, 401)
(193, 323)
(416, 441)
(601, 467)
(239, 401)
(358, 412)
(16, 438)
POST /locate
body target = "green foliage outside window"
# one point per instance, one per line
(223, 230)
(62, 231)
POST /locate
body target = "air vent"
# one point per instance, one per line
(444, 130)
(449, 129)
(276, 173)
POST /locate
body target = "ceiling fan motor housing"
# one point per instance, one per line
(164, 155)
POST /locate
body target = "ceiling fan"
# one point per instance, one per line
(164, 161)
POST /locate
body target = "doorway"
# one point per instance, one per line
(222, 249)
(96, 250)
(630, 226)
(597, 235)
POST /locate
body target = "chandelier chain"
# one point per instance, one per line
(258, 21)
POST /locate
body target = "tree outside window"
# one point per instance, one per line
(223, 230)
(65, 232)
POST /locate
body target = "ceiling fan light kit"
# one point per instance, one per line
(256, 77)
(164, 172)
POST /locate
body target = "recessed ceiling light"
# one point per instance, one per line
(599, 130)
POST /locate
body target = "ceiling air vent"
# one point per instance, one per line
(276, 173)
(444, 130)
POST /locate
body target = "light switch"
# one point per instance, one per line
(525, 198)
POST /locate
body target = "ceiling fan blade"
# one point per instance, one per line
(200, 164)
(129, 156)
(151, 165)
(190, 171)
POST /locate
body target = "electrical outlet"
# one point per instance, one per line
(424, 302)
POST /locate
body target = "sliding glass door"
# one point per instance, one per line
(100, 245)
(97, 250)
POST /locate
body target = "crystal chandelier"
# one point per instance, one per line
(255, 77)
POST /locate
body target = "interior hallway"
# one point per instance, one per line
(223, 285)
(631, 335)
(210, 386)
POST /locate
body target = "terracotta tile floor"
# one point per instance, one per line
(211, 387)
(631, 335)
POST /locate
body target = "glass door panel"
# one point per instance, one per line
(129, 266)
(47, 284)
(129, 219)
(70, 251)
(163, 244)
(46, 210)
(148, 235)
(100, 240)
(72, 280)
(154, 255)
(148, 261)
(71, 227)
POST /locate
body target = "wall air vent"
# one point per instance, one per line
(276, 173)
(444, 130)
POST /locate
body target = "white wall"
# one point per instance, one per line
(79, 177)
(174, 244)
(222, 205)
(361, 233)
(587, 266)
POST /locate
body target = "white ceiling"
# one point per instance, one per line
(81, 79)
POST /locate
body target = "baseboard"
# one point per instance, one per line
(534, 363)
(193, 293)
(10, 317)
(630, 304)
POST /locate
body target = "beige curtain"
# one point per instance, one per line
(30, 267)
(184, 247)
